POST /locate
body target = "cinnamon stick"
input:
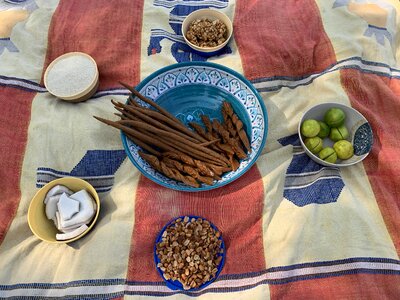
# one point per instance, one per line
(149, 101)
(154, 122)
(226, 106)
(179, 139)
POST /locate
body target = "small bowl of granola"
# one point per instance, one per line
(207, 31)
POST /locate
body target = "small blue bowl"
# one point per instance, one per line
(175, 284)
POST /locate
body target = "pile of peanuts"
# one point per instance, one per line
(190, 252)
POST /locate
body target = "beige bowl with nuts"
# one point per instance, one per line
(213, 24)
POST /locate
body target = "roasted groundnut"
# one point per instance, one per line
(190, 252)
(207, 33)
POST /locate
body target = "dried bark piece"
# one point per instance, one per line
(202, 167)
(168, 171)
(226, 106)
(188, 170)
(228, 123)
(234, 143)
(209, 136)
(216, 125)
(207, 122)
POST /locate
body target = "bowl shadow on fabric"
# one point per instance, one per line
(108, 207)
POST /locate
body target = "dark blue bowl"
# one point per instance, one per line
(175, 284)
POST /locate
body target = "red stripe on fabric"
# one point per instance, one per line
(109, 31)
(354, 286)
(236, 209)
(281, 38)
(378, 99)
(14, 121)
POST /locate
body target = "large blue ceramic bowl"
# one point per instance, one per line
(189, 90)
(175, 284)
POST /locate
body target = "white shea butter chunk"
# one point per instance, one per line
(57, 190)
(71, 234)
(51, 206)
(67, 207)
(86, 210)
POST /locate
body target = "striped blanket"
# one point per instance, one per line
(292, 228)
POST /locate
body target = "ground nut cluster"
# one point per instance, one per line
(207, 33)
(190, 252)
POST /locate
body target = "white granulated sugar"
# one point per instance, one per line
(71, 75)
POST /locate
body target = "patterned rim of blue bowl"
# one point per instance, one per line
(174, 284)
(237, 173)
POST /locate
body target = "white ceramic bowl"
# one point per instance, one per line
(212, 15)
(72, 77)
(360, 133)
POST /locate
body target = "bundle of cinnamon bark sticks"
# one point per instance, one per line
(193, 157)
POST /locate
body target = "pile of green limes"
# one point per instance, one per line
(333, 127)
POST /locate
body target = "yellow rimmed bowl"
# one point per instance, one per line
(44, 228)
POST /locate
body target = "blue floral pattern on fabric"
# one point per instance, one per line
(180, 9)
(380, 33)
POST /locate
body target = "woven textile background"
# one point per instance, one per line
(293, 229)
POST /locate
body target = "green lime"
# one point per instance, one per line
(310, 128)
(334, 117)
(324, 132)
(344, 149)
(328, 154)
(314, 144)
(339, 133)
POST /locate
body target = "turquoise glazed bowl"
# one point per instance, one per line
(189, 90)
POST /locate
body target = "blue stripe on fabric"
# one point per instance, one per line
(296, 78)
(108, 92)
(75, 283)
(265, 281)
(335, 262)
(376, 27)
(100, 187)
(227, 289)
(23, 88)
(278, 87)
(102, 282)
(22, 79)
(102, 94)
(87, 178)
(99, 190)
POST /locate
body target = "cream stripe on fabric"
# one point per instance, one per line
(103, 253)
(246, 284)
